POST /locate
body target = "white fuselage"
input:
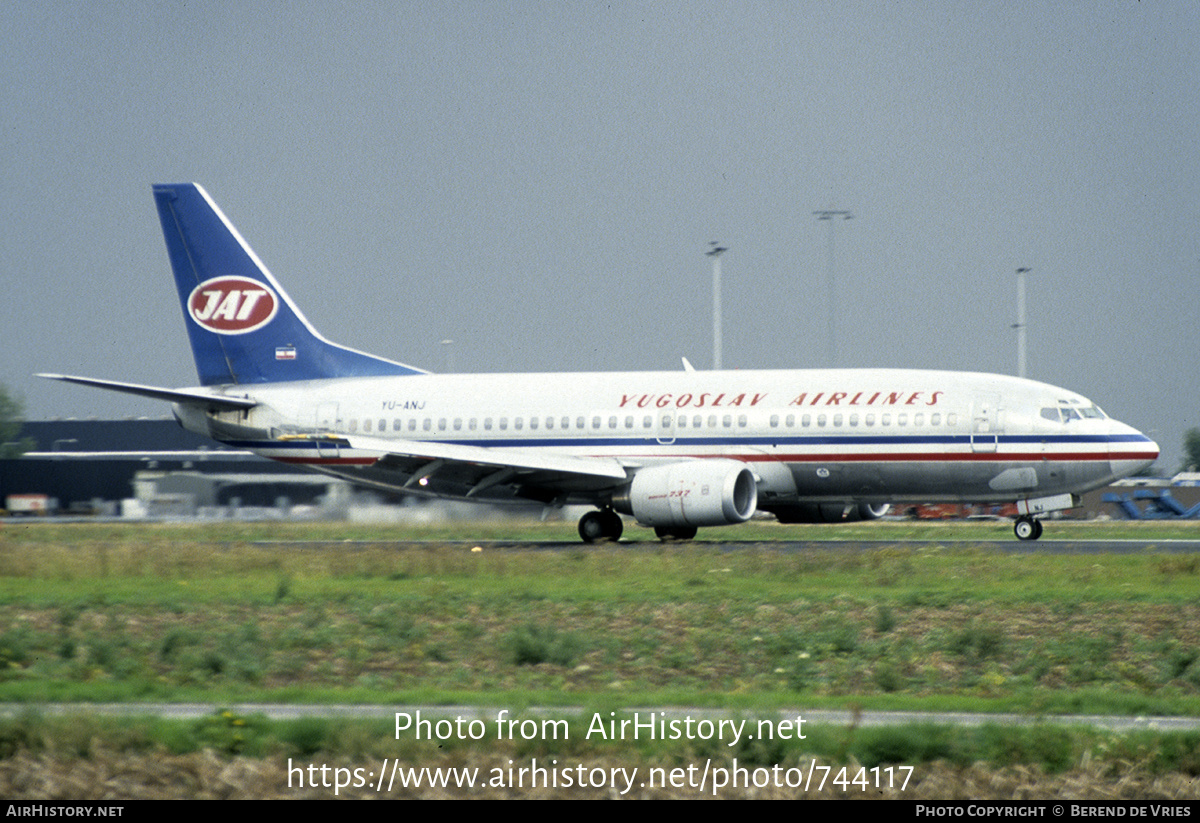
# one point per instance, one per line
(873, 435)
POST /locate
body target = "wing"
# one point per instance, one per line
(456, 470)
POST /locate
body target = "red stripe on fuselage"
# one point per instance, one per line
(938, 457)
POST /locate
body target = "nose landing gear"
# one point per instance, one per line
(1026, 528)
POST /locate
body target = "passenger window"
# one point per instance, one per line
(612, 421)
(951, 419)
(741, 421)
(428, 424)
(441, 424)
(919, 419)
(837, 420)
(806, 420)
(533, 422)
(885, 420)
(518, 423)
(412, 424)
(727, 421)
(397, 424)
(854, 420)
(791, 421)
(367, 425)
(870, 420)
(902, 419)
(487, 424)
(458, 424)
(821, 420)
(503, 424)
(353, 425)
(774, 421)
(935, 419)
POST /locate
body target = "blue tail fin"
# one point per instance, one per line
(242, 325)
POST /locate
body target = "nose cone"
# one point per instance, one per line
(1130, 451)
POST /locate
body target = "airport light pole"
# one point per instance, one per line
(1020, 324)
(831, 285)
(715, 253)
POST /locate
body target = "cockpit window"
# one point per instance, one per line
(1065, 414)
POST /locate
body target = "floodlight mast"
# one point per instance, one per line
(1020, 324)
(831, 285)
(715, 253)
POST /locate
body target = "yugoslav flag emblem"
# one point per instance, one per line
(232, 304)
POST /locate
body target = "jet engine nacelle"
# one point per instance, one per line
(692, 493)
(830, 512)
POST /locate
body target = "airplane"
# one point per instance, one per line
(676, 451)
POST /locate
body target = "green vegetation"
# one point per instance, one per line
(233, 613)
(926, 619)
(1191, 450)
(12, 411)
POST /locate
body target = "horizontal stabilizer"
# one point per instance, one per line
(188, 397)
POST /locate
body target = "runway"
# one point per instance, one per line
(1013, 546)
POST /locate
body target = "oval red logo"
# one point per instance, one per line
(232, 304)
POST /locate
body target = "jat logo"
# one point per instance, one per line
(232, 304)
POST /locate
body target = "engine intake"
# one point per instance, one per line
(692, 493)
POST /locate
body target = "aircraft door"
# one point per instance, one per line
(327, 422)
(986, 424)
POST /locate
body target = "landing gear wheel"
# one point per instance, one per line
(601, 525)
(1026, 528)
(675, 532)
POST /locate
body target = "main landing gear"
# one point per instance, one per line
(1026, 528)
(605, 524)
(665, 533)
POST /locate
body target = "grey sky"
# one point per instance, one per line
(539, 181)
